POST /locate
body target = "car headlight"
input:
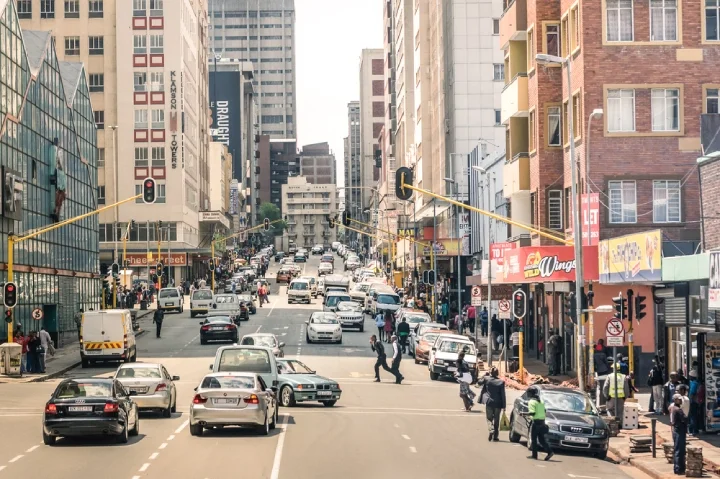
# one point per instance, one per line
(553, 426)
(303, 387)
(335, 386)
(439, 361)
(600, 432)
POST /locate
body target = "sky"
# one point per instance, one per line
(329, 36)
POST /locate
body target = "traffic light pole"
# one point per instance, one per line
(13, 240)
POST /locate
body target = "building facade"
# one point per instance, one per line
(317, 164)
(353, 193)
(47, 134)
(261, 32)
(284, 164)
(372, 117)
(220, 166)
(308, 207)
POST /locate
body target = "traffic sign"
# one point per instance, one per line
(615, 328)
(476, 296)
(37, 314)
(504, 309)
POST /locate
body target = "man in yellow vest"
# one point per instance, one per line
(616, 386)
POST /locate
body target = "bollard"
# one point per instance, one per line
(653, 423)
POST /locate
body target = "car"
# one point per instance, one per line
(249, 300)
(299, 291)
(325, 268)
(150, 385)
(327, 258)
(323, 326)
(279, 255)
(313, 285)
(170, 299)
(321, 286)
(335, 245)
(218, 327)
(350, 315)
(420, 349)
(444, 352)
(233, 399)
(571, 417)
(107, 335)
(226, 303)
(90, 407)
(252, 359)
(294, 269)
(299, 383)
(292, 249)
(266, 340)
(317, 250)
(300, 258)
(200, 302)
(332, 298)
(385, 300)
(283, 276)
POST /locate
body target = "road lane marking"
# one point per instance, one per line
(413, 450)
(396, 425)
(154, 456)
(182, 426)
(406, 437)
(144, 467)
(32, 448)
(2, 467)
(163, 445)
(275, 473)
(16, 458)
(398, 413)
(582, 477)
(171, 437)
(258, 329)
(136, 477)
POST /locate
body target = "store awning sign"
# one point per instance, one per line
(541, 264)
(631, 258)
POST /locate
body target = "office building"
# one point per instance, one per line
(220, 169)
(353, 196)
(307, 207)
(261, 32)
(372, 118)
(317, 164)
(284, 164)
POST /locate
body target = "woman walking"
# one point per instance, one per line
(464, 377)
(380, 323)
(389, 326)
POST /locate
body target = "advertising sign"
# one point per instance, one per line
(497, 251)
(589, 216)
(446, 247)
(226, 112)
(544, 264)
(234, 197)
(712, 374)
(141, 259)
(636, 257)
(714, 283)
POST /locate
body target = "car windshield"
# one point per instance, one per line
(568, 402)
(333, 300)
(245, 297)
(139, 373)
(202, 294)
(414, 318)
(228, 382)
(77, 389)
(169, 293)
(224, 299)
(244, 360)
(348, 306)
(324, 319)
(388, 299)
(217, 319)
(299, 286)
(264, 341)
(430, 337)
(294, 367)
(456, 347)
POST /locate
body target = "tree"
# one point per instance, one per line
(272, 212)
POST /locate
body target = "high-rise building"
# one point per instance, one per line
(48, 141)
(317, 164)
(284, 164)
(308, 207)
(220, 167)
(262, 32)
(372, 117)
(353, 195)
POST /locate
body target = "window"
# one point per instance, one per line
(621, 110)
(158, 119)
(158, 156)
(575, 33)
(139, 7)
(552, 39)
(141, 155)
(24, 9)
(663, 20)
(72, 46)
(665, 109)
(577, 116)
(498, 117)
(101, 195)
(533, 208)
(141, 120)
(531, 49)
(72, 8)
(619, 20)
(496, 26)
(97, 82)
(157, 81)
(498, 72)
(95, 8)
(99, 119)
(96, 45)
(554, 126)
(139, 44)
(712, 20)
(623, 204)
(555, 209)
(564, 29)
(101, 157)
(711, 100)
(140, 81)
(156, 8)
(47, 8)
(666, 201)
(531, 130)
(156, 43)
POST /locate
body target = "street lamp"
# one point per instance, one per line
(543, 58)
(459, 241)
(485, 173)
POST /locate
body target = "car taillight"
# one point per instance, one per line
(125, 345)
(110, 407)
(252, 399)
(205, 328)
(161, 387)
(50, 409)
(198, 399)
(230, 326)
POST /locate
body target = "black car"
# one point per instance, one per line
(572, 418)
(218, 328)
(90, 407)
(300, 258)
(317, 250)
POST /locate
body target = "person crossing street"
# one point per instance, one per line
(158, 317)
(538, 428)
(403, 330)
(379, 349)
(396, 358)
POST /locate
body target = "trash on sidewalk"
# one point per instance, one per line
(694, 462)
(640, 444)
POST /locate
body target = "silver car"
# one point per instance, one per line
(350, 315)
(151, 386)
(233, 399)
(266, 340)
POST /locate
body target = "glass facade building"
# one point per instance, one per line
(48, 139)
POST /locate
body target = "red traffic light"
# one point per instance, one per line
(148, 184)
(148, 193)
(11, 288)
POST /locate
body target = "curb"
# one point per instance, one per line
(636, 464)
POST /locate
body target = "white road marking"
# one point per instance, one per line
(2, 467)
(182, 426)
(144, 467)
(162, 446)
(16, 458)
(406, 437)
(278, 451)
(398, 413)
(32, 448)
(412, 449)
(171, 437)
(582, 477)
(136, 477)
(286, 327)
(258, 329)
(154, 455)
(396, 425)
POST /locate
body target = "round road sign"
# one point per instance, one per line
(615, 328)
(37, 314)
(504, 305)
(476, 291)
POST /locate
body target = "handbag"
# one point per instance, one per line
(504, 422)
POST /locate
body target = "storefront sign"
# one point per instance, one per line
(406, 232)
(714, 283)
(233, 197)
(446, 247)
(544, 264)
(589, 217)
(173, 120)
(214, 217)
(636, 257)
(497, 251)
(141, 259)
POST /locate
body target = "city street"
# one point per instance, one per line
(417, 429)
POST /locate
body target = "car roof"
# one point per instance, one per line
(558, 389)
(87, 380)
(259, 335)
(232, 373)
(434, 325)
(140, 365)
(455, 337)
(337, 293)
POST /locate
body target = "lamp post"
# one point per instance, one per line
(597, 112)
(577, 233)
(484, 172)
(457, 219)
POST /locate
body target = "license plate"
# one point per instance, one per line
(218, 328)
(224, 401)
(92, 351)
(169, 304)
(324, 393)
(80, 408)
(578, 439)
(452, 369)
(139, 390)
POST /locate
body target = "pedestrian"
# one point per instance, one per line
(669, 392)
(624, 368)
(444, 311)
(158, 317)
(683, 390)
(471, 313)
(600, 359)
(380, 323)
(697, 401)
(538, 428)
(19, 338)
(492, 395)
(495, 331)
(78, 322)
(555, 353)
(681, 377)
(464, 377)
(484, 322)
(403, 330)
(33, 354)
(616, 387)
(47, 346)
(396, 358)
(379, 349)
(679, 424)
(388, 326)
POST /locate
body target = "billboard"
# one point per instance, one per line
(631, 258)
(226, 127)
(545, 264)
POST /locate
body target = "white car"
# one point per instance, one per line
(313, 285)
(170, 299)
(325, 268)
(442, 360)
(350, 315)
(152, 387)
(323, 326)
(299, 291)
(200, 302)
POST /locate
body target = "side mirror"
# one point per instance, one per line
(176, 378)
(282, 344)
(201, 323)
(434, 349)
(307, 322)
(214, 306)
(275, 383)
(210, 367)
(195, 388)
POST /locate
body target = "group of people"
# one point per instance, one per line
(379, 349)
(36, 345)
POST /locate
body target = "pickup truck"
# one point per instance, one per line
(337, 282)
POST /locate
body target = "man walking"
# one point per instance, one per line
(616, 387)
(396, 358)
(679, 423)
(492, 396)
(403, 330)
(78, 322)
(158, 317)
(554, 353)
(379, 349)
(47, 343)
(484, 322)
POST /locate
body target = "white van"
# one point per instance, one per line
(299, 291)
(107, 335)
(201, 301)
(170, 299)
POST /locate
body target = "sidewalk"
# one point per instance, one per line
(65, 359)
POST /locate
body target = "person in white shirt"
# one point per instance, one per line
(47, 343)
(396, 358)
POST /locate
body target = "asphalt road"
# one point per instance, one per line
(417, 429)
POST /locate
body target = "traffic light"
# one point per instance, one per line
(159, 268)
(519, 304)
(640, 307)
(115, 268)
(571, 307)
(620, 307)
(159, 224)
(149, 190)
(345, 218)
(8, 316)
(388, 267)
(266, 224)
(431, 276)
(10, 295)
(132, 224)
(331, 223)
(403, 176)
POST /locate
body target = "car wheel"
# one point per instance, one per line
(85, 363)
(602, 455)
(287, 397)
(167, 412)
(329, 403)
(416, 360)
(123, 437)
(434, 376)
(362, 328)
(196, 430)
(273, 424)
(340, 340)
(264, 430)
(49, 440)
(236, 339)
(192, 315)
(136, 430)
(174, 406)
(202, 341)
(512, 435)
(307, 338)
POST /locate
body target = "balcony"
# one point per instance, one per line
(291, 222)
(513, 23)
(308, 222)
(514, 99)
(516, 174)
(309, 233)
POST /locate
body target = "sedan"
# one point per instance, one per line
(218, 328)
(325, 268)
(283, 276)
(151, 386)
(233, 399)
(299, 383)
(323, 326)
(300, 258)
(266, 340)
(90, 407)
(423, 344)
(573, 421)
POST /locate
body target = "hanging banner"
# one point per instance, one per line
(589, 219)
(497, 251)
(631, 258)
(543, 264)
(714, 283)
